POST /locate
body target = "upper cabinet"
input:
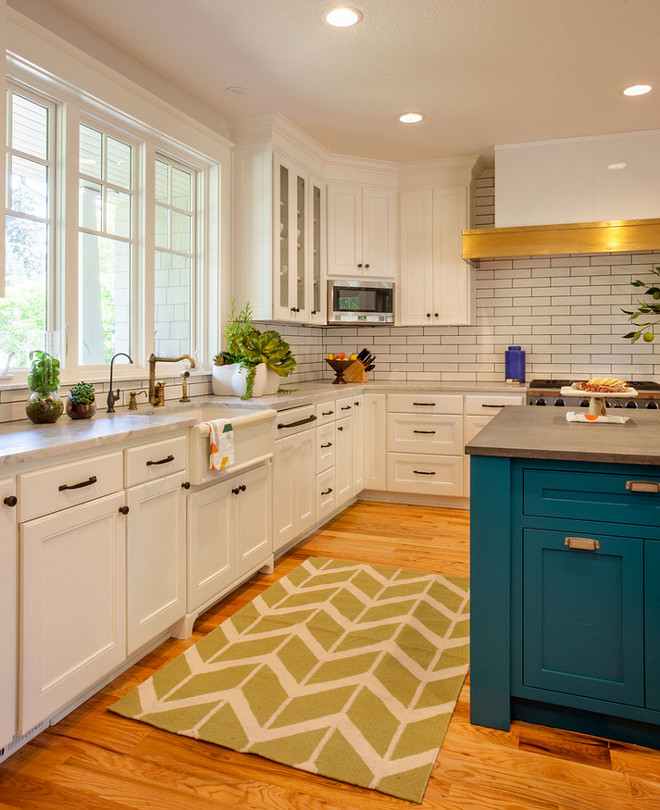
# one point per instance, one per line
(279, 226)
(362, 231)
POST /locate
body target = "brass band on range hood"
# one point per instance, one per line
(579, 237)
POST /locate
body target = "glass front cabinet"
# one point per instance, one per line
(298, 221)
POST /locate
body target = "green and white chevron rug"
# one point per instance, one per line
(349, 671)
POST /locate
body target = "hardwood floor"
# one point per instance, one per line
(95, 760)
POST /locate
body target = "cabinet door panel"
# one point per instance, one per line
(211, 547)
(253, 520)
(344, 230)
(358, 444)
(583, 616)
(452, 289)
(155, 558)
(316, 306)
(425, 433)
(9, 612)
(305, 478)
(344, 460)
(284, 492)
(73, 600)
(379, 232)
(416, 285)
(652, 622)
(374, 442)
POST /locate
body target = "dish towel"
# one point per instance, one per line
(221, 438)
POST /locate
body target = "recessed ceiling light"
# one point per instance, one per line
(342, 16)
(410, 118)
(236, 91)
(637, 90)
(615, 166)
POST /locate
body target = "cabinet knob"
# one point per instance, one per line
(315, 312)
(235, 490)
(340, 428)
(186, 485)
(242, 487)
(428, 314)
(11, 500)
(124, 510)
(359, 266)
(366, 267)
(436, 314)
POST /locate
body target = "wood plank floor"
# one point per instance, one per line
(95, 760)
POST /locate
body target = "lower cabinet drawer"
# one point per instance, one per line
(155, 460)
(325, 447)
(325, 412)
(46, 491)
(294, 420)
(422, 433)
(425, 475)
(326, 498)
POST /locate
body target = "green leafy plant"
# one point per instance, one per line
(249, 347)
(646, 307)
(44, 374)
(82, 393)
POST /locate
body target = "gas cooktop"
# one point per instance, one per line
(555, 385)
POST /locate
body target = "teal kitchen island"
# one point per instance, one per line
(565, 573)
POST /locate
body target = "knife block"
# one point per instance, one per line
(355, 372)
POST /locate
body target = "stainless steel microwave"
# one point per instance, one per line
(360, 301)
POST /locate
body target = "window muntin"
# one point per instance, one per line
(175, 256)
(105, 246)
(29, 222)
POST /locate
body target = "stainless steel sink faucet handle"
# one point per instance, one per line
(112, 398)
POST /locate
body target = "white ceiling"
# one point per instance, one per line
(484, 72)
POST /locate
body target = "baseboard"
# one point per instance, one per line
(409, 499)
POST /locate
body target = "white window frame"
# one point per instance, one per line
(159, 128)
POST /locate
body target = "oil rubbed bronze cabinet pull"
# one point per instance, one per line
(345, 407)
(323, 446)
(91, 480)
(582, 543)
(423, 431)
(486, 405)
(242, 487)
(422, 472)
(186, 485)
(652, 487)
(165, 460)
(236, 490)
(10, 500)
(311, 418)
(326, 491)
(340, 428)
(124, 510)
(327, 413)
(430, 404)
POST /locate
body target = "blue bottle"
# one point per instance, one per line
(514, 365)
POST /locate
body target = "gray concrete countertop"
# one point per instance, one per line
(524, 432)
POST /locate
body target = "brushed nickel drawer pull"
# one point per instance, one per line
(430, 404)
(422, 472)
(165, 460)
(91, 480)
(423, 431)
(582, 543)
(643, 486)
(326, 491)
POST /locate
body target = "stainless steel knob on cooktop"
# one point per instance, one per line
(652, 405)
(584, 403)
(540, 401)
(560, 403)
(631, 404)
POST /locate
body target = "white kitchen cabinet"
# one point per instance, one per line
(294, 476)
(279, 239)
(435, 286)
(344, 460)
(229, 534)
(421, 474)
(374, 442)
(155, 558)
(358, 444)
(73, 604)
(8, 610)
(326, 494)
(362, 231)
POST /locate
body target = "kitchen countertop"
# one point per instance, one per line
(22, 441)
(523, 432)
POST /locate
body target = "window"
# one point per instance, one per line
(111, 228)
(175, 257)
(27, 309)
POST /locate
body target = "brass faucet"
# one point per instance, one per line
(157, 398)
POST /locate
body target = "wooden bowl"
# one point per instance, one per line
(339, 366)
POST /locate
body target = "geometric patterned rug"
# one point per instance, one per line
(344, 670)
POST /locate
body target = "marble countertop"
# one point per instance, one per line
(22, 441)
(523, 432)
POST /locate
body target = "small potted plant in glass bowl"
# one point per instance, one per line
(44, 405)
(80, 403)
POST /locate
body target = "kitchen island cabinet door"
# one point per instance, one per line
(8, 610)
(211, 546)
(73, 604)
(344, 460)
(652, 622)
(155, 558)
(583, 614)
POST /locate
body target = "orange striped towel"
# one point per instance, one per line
(221, 440)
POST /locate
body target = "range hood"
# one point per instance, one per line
(577, 237)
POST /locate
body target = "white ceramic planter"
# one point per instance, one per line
(239, 380)
(221, 380)
(231, 381)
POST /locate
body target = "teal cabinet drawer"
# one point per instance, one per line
(583, 615)
(602, 497)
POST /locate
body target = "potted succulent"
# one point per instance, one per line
(44, 405)
(253, 361)
(81, 403)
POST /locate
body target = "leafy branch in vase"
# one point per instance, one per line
(645, 329)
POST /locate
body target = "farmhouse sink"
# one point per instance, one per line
(253, 440)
